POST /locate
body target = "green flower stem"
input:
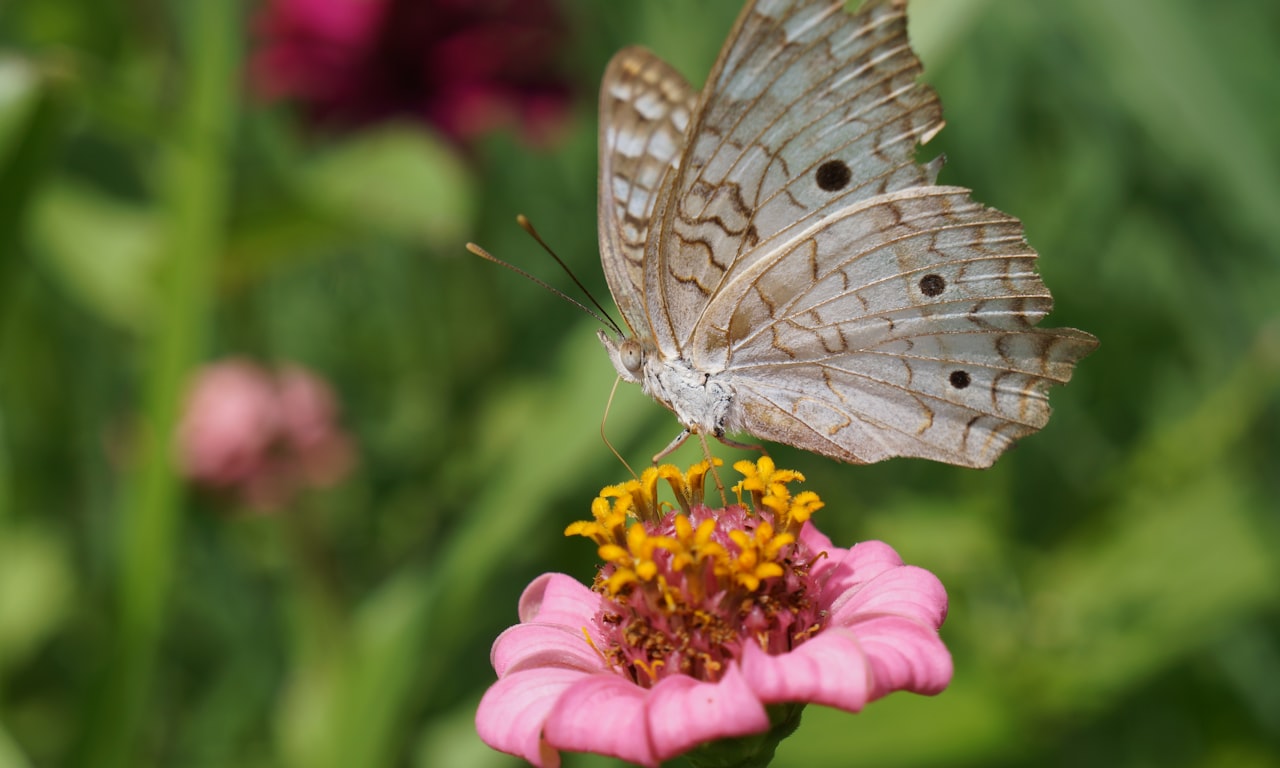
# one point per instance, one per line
(194, 186)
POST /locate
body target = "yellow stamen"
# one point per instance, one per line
(650, 669)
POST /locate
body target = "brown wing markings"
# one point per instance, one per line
(994, 389)
(742, 313)
(778, 345)
(883, 63)
(645, 108)
(833, 429)
(902, 241)
(1050, 337)
(1002, 348)
(1045, 338)
(881, 180)
(740, 324)
(693, 279)
(709, 191)
(922, 398)
(905, 120)
(832, 77)
(835, 392)
(742, 108)
(929, 416)
(968, 430)
(899, 241)
(829, 347)
(940, 312)
(768, 414)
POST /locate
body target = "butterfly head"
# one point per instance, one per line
(631, 355)
(627, 355)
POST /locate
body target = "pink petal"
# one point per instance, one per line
(845, 569)
(527, 646)
(554, 598)
(903, 591)
(684, 712)
(904, 656)
(829, 669)
(816, 540)
(604, 714)
(514, 710)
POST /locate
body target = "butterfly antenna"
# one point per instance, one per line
(527, 226)
(605, 419)
(482, 253)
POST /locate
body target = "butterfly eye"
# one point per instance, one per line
(631, 355)
(833, 175)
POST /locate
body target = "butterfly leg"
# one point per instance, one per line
(674, 444)
(711, 465)
(743, 446)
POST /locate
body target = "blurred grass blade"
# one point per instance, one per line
(194, 183)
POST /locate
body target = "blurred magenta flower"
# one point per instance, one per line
(261, 435)
(707, 631)
(465, 66)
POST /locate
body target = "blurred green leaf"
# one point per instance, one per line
(36, 590)
(1187, 98)
(937, 26)
(1181, 558)
(1175, 570)
(399, 180)
(10, 754)
(965, 725)
(452, 740)
(32, 118)
(19, 94)
(105, 250)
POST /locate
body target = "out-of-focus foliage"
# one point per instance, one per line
(1114, 580)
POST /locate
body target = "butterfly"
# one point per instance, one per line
(787, 270)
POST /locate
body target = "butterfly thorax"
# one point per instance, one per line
(700, 400)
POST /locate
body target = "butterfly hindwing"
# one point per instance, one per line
(645, 109)
(904, 326)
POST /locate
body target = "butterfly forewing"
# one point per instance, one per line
(809, 109)
(804, 280)
(645, 108)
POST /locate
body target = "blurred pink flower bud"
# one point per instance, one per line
(259, 435)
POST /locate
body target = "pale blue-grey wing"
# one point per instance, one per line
(645, 109)
(903, 326)
(808, 110)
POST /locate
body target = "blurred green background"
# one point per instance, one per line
(1114, 581)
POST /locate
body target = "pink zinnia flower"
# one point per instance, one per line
(705, 626)
(261, 435)
(465, 66)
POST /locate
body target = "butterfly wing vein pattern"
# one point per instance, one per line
(645, 108)
(790, 271)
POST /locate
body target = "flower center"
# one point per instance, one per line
(685, 590)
